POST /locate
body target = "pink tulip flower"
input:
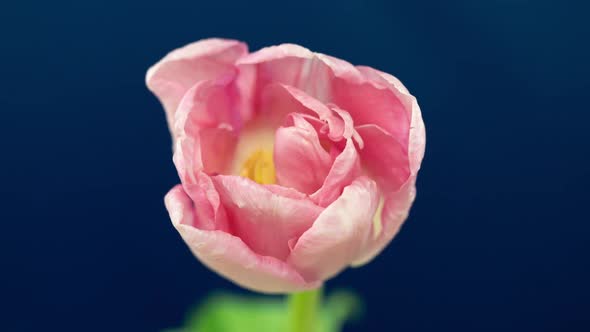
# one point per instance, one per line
(293, 165)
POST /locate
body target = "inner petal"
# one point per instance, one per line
(301, 160)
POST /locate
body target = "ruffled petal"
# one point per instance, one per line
(178, 71)
(345, 169)
(338, 125)
(369, 103)
(370, 96)
(338, 234)
(298, 148)
(263, 218)
(229, 256)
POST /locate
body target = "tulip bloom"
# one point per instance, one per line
(294, 165)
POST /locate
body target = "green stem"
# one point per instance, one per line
(304, 311)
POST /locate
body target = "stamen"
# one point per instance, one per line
(259, 167)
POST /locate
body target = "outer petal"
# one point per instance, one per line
(414, 116)
(208, 104)
(298, 148)
(396, 205)
(207, 124)
(288, 64)
(369, 102)
(393, 211)
(263, 218)
(382, 77)
(229, 256)
(338, 234)
(171, 77)
(417, 143)
(210, 150)
(209, 213)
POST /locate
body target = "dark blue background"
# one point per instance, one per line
(498, 239)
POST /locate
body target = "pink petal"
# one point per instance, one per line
(338, 234)
(371, 97)
(349, 130)
(345, 169)
(209, 150)
(417, 134)
(276, 53)
(206, 125)
(395, 210)
(417, 143)
(397, 204)
(286, 64)
(279, 100)
(382, 77)
(336, 129)
(178, 71)
(262, 218)
(286, 192)
(298, 148)
(384, 157)
(229, 256)
(208, 104)
(209, 213)
(339, 127)
(371, 104)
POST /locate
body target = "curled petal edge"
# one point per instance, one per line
(229, 256)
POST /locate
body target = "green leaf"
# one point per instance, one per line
(232, 313)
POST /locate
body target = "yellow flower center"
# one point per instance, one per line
(259, 167)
